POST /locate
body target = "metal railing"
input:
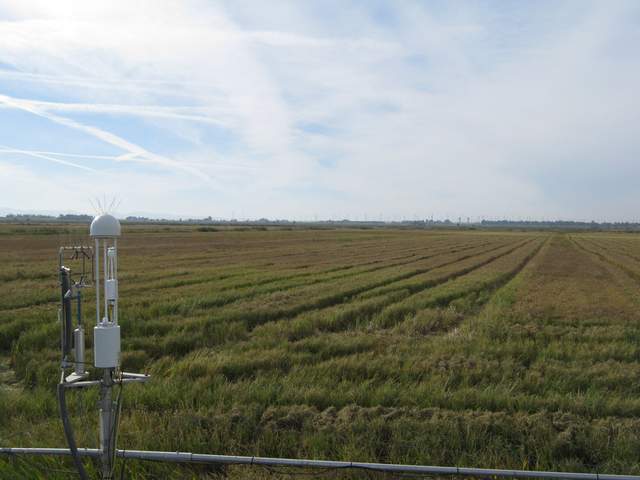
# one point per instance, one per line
(200, 458)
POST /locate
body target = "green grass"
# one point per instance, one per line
(507, 350)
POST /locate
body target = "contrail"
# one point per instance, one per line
(141, 155)
(119, 158)
(160, 87)
(192, 114)
(44, 156)
(5, 149)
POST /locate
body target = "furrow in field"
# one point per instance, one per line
(232, 254)
(438, 291)
(39, 294)
(174, 258)
(330, 357)
(425, 314)
(258, 303)
(624, 245)
(269, 278)
(153, 324)
(335, 273)
(202, 330)
(416, 283)
(260, 316)
(408, 275)
(276, 251)
(327, 254)
(410, 252)
(619, 252)
(618, 263)
(480, 281)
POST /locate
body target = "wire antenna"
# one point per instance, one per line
(102, 206)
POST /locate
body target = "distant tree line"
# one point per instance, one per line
(34, 218)
(427, 223)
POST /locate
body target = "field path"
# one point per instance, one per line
(572, 283)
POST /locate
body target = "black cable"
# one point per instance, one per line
(124, 460)
(68, 430)
(114, 426)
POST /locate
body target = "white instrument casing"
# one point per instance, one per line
(106, 345)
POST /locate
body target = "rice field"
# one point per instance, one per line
(469, 348)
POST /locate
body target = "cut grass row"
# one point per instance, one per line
(154, 338)
(20, 294)
(322, 362)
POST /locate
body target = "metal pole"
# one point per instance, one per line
(97, 275)
(107, 430)
(78, 340)
(105, 273)
(115, 275)
(185, 457)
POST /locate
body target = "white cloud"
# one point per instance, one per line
(470, 110)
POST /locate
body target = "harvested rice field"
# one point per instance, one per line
(466, 348)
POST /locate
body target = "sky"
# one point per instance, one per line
(306, 110)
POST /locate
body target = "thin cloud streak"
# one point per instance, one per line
(43, 156)
(6, 149)
(147, 86)
(141, 155)
(176, 113)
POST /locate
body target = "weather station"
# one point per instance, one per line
(102, 258)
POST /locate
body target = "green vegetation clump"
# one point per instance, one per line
(468, 348)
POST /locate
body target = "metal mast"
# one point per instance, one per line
(105, 230)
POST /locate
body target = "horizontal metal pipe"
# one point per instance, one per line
(81, 384)
(185, 457)
(83, 452)
(131, 378)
